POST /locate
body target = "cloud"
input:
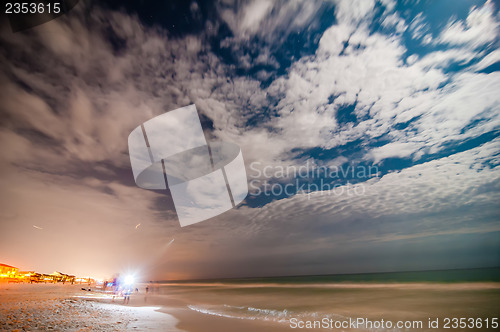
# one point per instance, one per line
(70, 99)
(352, 12)
(74, 88)
(395, 149)
(259, 28)
(480, 28)
(353, 66)
(394, 21)
(418, 27)
(429, 189)
(419, 207)
(268, 19)
(488, 60)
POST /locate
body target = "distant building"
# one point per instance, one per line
(12, 274)
(7, 271)
(62, 277)
(26, 276)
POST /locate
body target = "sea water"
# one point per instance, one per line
(396, 297)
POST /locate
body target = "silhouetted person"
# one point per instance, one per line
(126, 295)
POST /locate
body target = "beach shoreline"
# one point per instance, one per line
(56, 307)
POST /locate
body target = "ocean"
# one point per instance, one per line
(426, 300)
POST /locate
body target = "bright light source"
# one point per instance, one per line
(128, 280)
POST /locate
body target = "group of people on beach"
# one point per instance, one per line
(124, 289)
(127, 291)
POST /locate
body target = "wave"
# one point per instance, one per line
(252, 313)
(215, 312)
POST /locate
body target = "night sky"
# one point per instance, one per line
(392, 109)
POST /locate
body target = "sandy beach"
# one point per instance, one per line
(45, 307)
(57, 307)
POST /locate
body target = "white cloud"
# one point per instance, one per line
(254, 13)
(480, 28)
(395, 149)
(488, 60)
(418, 27)
(268, 19)
(394, 21)
(442, 59)
(371, 73)
(352, 12)
(429, 188)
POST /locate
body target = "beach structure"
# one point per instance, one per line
(25, 276)
(87, 280)
(7, 271)
(12, 274)
(62, 277)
